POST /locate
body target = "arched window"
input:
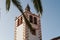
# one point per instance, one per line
(17, 22)
(20, 20)
(35, 20)
(31, 19)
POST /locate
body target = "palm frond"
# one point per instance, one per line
(38, 6)
(28, 23)
(18, 5)
(8, 4)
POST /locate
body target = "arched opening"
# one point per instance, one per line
(31, 19)
(20, 20)
(35, 20)
(17, 22)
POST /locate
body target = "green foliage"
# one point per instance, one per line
(18, 5)
(8, 4)
(38, 6)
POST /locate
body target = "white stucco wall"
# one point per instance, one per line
(19, 32)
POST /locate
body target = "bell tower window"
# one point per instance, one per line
(17, 22)
(35, 20)
(20, 21)
(31, 19)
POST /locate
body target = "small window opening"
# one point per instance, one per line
(20, 21)
(35, 20)
(31, 19)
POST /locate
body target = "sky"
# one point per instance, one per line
(50, 20)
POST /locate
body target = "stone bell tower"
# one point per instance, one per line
(22, 31)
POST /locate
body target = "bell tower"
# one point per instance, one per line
(22, 31)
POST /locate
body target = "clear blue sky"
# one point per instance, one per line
(50, 19)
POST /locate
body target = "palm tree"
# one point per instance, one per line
(36, 3)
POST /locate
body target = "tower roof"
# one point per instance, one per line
(27, 8)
